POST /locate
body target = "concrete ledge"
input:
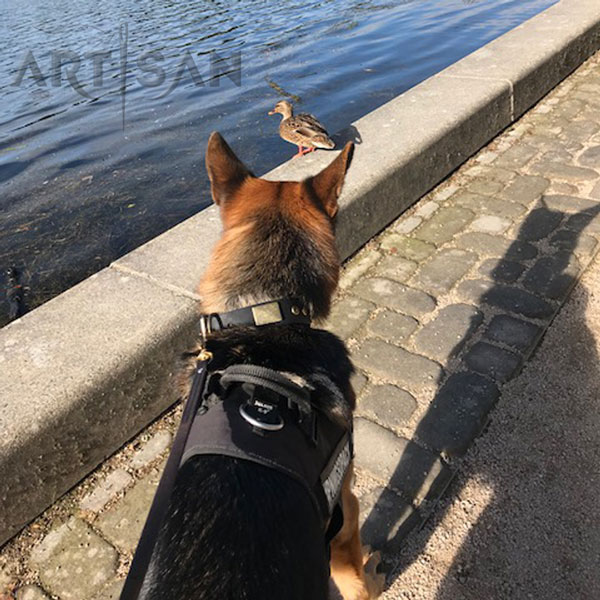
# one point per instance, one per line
(80, 375)
(86, 371)
(535, 56)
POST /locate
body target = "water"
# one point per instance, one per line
(94, 166)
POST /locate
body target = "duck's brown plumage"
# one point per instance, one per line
(304, 130)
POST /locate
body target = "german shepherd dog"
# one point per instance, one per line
(236, 530)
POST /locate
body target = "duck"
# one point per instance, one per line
(304, 130)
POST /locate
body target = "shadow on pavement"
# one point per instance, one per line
(538, 533)
(490, 354)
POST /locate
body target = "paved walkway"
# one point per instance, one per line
(440, 311)
(522, 518)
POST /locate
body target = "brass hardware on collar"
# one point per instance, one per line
(265, 314)
(204, 354)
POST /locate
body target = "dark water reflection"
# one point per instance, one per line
(78, 190)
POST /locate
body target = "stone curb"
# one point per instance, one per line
(87, 370)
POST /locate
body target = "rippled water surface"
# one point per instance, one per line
(94, 163)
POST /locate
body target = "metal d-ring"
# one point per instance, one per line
(261, 424)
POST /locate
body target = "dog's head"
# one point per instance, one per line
(278, 239)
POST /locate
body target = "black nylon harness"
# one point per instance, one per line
(259, 415)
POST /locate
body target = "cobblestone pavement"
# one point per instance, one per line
(439, 311)
(520, 519)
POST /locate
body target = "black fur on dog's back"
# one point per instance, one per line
(239, 531)
(236, 530)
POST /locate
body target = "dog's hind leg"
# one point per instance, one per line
(347, 560)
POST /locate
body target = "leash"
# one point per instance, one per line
(162, 497)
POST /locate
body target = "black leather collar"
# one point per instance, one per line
(285, 311)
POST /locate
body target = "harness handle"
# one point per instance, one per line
(269, 379)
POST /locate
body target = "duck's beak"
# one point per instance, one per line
(271, 112)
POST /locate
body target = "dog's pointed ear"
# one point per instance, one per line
(225, 170)
(328, 183)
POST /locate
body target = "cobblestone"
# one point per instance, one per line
(122, 524)
(6, 580)
(348, 315)
(152, 449)
(518, 301)
(540, 223)
(525, 189)
(490, 206)
(458, 413)
(111, 592)
(74, 562)
(388, 405)
(427, 209)
(396, 267)
(391, 326)
(408, 467)
(558, 156)
(553, 276)
(358, 382)
(493, 245)
(506, 271)
(568, 109)
(113, 484)
(353, 272)
(444, 337)
(561, 171)
(579, 131)
(407, 247)
(485, 186)
(386, 519)
(444, 192)
(494, 173)
(473, 290)
(407, 225)
(562, 187)
(395, 295)
(443, 271)
(515, 156)
(396, 364)
(584, 222)
(444, 224)
(492, 361)
(544, 143)
(490, 224)
(574, 241)
(516, 333)
(595, 193)
(570, 204)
